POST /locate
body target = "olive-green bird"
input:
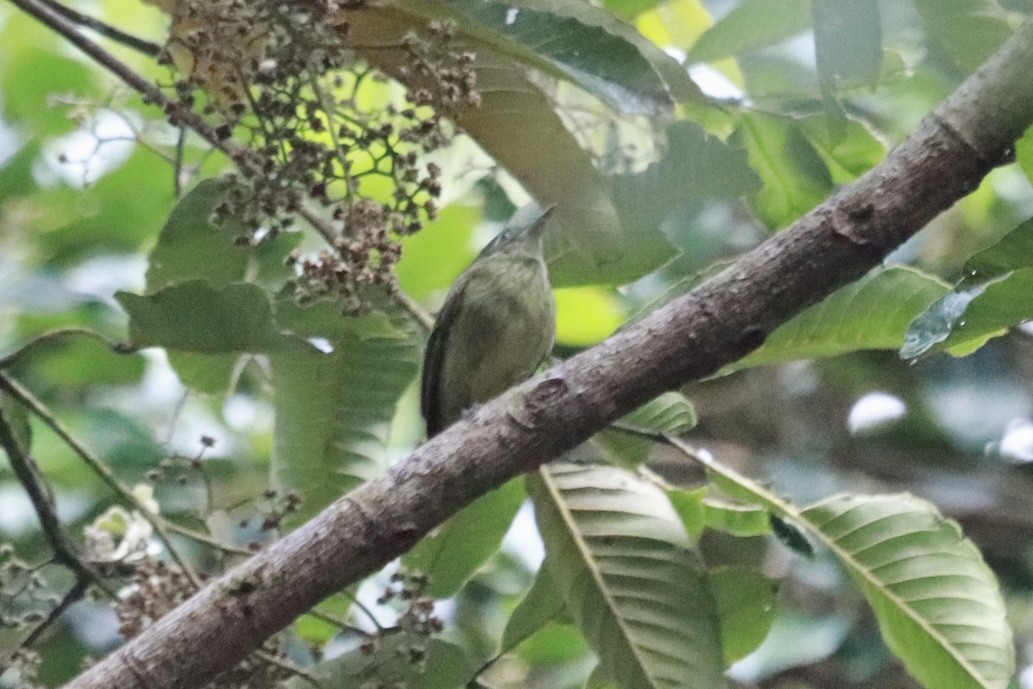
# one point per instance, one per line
(497, 325)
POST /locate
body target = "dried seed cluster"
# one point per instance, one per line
(155, 589)
(417, 623)
(278, 78)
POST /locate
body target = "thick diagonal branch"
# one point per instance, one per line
(718, 322)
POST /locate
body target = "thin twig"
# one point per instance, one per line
(176, 112)
(102, 470)
(334, 620)
(419, 314)
(210, 541)
(288, 666)
(58, 333)
(41, 495)
(138, 44)
(74, 594)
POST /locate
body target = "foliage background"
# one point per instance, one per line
(86, 184)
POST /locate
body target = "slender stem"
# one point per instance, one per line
(177, 113)
(102, 470)
(418, 313)
(59, 333)
(74, 594)
(138, 44)
(41, 495)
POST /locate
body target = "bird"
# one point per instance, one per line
(496, 326)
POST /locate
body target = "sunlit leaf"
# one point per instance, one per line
(751, 25)
(872, 313)
(794, 176)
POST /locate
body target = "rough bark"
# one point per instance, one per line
(724, 318)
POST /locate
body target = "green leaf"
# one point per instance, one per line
(737, 519)
(745, 604)
(630, 577)
(795, 179)
(937, 603)
(334, 410)
(689, 506)
(575, 41)
(17, 418)
(458, 548)
(849, 151)
(871, 313)
(586, 243)
(542, 604)
(695, 166)
(671, 413)
(553, 644)
(198, 317)
(968, 316)
(848, 41)
(968, 31)
(31, 78)
(445, 666)
(118, 213)
(190, 247)
(1011, 252)
(751, 25)
(992, 297)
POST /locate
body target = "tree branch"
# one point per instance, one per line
(717, 323)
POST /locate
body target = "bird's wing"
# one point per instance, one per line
(434, 361)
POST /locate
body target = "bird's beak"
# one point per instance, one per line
(537, 228)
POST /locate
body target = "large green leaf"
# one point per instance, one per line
(847, 40)
(630, 576)
(938, 604)
(334, 409)
(871, 313)
(795, 178)
(540, 605)
(751, 25)
(454, 551)
(994, 295)
(194, 316)
(971, 314)
(1013, 251)
(745, 603)
(849, 151)
(670, 412)
(191, 247)
(574, 41)
(968, 31)
(516, 124)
